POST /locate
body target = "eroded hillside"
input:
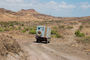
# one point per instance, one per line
(32, 15)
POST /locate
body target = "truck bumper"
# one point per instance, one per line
(41, 38)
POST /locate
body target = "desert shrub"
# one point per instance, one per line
(55, 34)
(19, 28)
(8, 24)
(8, 28)
(54, 27)
(32, 30)
(62, 26)
(69, 27)
(11, 24)
(85, 40)
(12, 28)
(22, 24)
(53, 31)
(1, 29)
(79, 34)
(24, 30)
(58, 35)
(81, 27)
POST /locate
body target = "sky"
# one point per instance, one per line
(59, 8)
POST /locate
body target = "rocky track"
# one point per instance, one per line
(55, 50)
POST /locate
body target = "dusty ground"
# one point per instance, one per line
(64, 48)
(10, 49)
(58, 49)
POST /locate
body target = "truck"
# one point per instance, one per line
(43, 34)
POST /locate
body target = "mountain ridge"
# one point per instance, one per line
(32, 15)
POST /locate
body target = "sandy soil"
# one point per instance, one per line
(52, 51)
(57, 49)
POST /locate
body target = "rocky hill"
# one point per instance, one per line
(31, 15)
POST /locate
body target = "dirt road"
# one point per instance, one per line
(55, 50)
(39, 51)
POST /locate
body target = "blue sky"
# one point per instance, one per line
(61, 8)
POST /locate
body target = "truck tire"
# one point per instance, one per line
(37, 41)
(47, 41)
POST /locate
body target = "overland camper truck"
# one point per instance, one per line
(43, 33)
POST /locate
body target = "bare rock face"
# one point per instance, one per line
(2, 10)
(29, 11)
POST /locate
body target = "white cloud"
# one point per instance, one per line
(36, 4)
(65, 5)
(85, 5)
(52, 8)
(13, 1)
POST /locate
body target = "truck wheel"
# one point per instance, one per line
(47, 41)
(37, 41)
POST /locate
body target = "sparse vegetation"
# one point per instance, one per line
(32, 30)
(1, 29)
(79, 34)
(81, 27)
(85, 40)
(55, 34)
(61, 26)
(58, 35)
(69, 27)
(23, 31)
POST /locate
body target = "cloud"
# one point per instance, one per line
(37, 4)
(60, 5)
(52, 7)
(85, 5)
(14, 1)
(65, 5)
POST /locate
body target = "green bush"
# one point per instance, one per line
(69, 27)
(1, 29)
(11, 24)
(79, 34)
(23, 31)
(58, 35)
(81, 27)
(19, 28)
(53, 32)
(32, 31)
